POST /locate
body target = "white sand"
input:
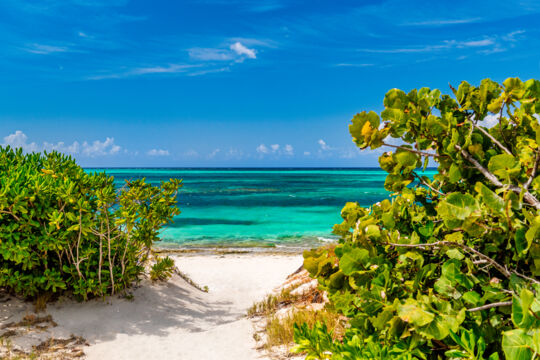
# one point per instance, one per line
(175, 320)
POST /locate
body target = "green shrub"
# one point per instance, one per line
(448, 267)
(162, 269)
(62, 229)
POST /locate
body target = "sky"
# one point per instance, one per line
(267, 83)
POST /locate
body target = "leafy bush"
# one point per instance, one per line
(62, 229)
(448, 267)
(162, 269)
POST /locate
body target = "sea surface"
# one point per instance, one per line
(260, 207)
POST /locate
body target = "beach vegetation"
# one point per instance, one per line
(65, 230)
(448, 266)
(162, 269)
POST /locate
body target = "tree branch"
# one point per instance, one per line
(529, 198)
(426, 184)
(502, 269)
(10, 213)
(489, 306)
(495, 141)
(422, 153)
(534, 170)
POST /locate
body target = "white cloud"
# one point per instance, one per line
(210, 54)
(307, 153)
(191, 153)
(275, 149)
(167, 69)
(353, 65)
(240, 49)
(171, 68)
(100, 148)
(214, 153)
(512, 35)
(20, 140)
(234, 154)
(323, 145)
(158, 152)
(97, 148)
(61, 147)
(489, 121)
(288, 150)
(262, 149)
(43, 49)
(443, 22)
(236, 52)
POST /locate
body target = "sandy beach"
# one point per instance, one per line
(172, 320)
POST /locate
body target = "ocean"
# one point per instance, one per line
(260, 207)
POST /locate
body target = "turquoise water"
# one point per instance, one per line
(246, 207)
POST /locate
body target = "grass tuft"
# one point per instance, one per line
(280, 330)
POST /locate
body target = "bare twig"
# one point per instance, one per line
(534, 170)
(422, 153)
(502, 269)
(426, 184)
(10, 213)
(495, 141)
(528, 197)
(489, 306)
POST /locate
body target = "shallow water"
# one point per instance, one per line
(258, 207)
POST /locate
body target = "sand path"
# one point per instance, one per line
(175, 320)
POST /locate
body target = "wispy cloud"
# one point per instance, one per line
(236, 51)
(497, 43)
(443, 22)
(323, 145)
(43, 49)
(354, 65)
(100, 148)
(137, 71)
(275, 150)
(210, 54)
(158, 152)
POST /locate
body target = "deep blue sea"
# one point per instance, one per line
(258, 207)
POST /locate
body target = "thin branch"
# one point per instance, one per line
(426, 184)
(422, 153)
(529, 198)
(534, 170)
(495, 141)
(10, 213)
(502, 269)
(489, 306)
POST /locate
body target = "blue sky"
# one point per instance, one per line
(237, 82)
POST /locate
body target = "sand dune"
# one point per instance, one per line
(172, 320)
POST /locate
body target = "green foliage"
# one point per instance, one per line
(447, 267)
(62, 229)
(162, 269)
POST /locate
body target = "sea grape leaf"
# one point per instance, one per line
(353, 260)
(517, 344)
(457, 206)
(412, 313)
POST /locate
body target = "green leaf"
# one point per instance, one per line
(411, 312)
(517, 345)
(457, 206)
(503, 166)
(353, 260)
(492, 200)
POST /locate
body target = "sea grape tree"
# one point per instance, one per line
(449, 265)
(63, 229)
